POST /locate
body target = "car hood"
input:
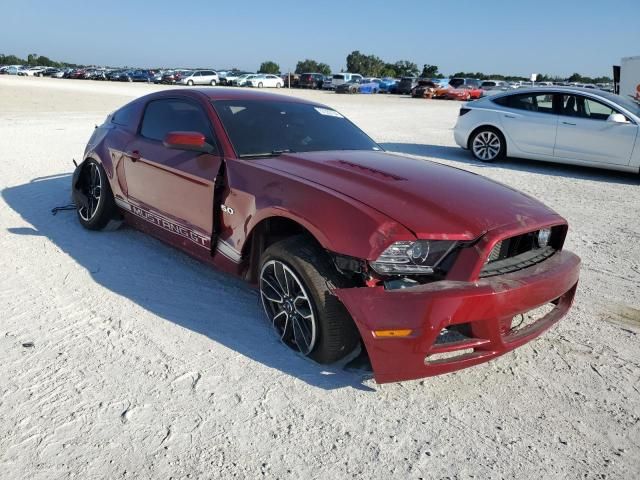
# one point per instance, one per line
(432, 200)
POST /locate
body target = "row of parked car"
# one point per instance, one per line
(463, 89)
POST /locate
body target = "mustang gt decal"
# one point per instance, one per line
(166, 224)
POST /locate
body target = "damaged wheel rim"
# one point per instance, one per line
(288, 306)
(92, 189)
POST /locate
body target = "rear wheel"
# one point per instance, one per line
(212, 83)
(296, 286)
(260, 85)
(487, 144)
(278, 85)
(100, 206)
(190, 83)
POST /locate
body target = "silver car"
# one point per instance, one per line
(200, 77)
(555, 124)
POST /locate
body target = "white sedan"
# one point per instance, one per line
(553, 124)
(265, 80)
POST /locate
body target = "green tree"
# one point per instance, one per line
(367, 65)
(430, 71)
(46, 62)
(405, 68)
(311, 66)
(324, 69)
(389, 70)
(478, 75)
(269, 67)
(32, 58)
(576, 77)
(11, 60)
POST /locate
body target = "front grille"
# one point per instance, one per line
(513, 246)
(520, 251)
(517, 262)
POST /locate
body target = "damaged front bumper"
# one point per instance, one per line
(465, 322)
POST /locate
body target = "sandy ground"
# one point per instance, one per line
(146, 364)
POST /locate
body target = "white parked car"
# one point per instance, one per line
(241, 81)
(265, 80)
(32, 71)
(200, 77)
(344, 77)
(553, 124)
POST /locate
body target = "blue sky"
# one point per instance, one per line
(518, 37)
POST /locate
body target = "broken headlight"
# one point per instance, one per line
(418, 257)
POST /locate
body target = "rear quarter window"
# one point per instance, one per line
(127, 117)
(504, 101)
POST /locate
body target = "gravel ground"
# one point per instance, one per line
(123, 358)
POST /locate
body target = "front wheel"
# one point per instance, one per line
(190, 83)
(278, 85)
(260, 85)
(212, 83)
(487, 144)
(297, 280)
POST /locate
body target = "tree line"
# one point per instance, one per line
(33, 59)
(374, 66)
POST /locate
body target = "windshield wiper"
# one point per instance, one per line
(272, 153)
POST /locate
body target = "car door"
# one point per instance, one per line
(530, 122)
(172, 189)
(585, 134)
(206, 77)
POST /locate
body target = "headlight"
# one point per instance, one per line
(543, 237)
(408, 257)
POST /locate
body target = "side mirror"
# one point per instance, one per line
(193, 141)
(617, 118)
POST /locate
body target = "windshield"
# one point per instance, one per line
(258, 127)
(624, 102)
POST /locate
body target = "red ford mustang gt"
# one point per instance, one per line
(428, 268)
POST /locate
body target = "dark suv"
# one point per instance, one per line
(311, 80)
(406, 85)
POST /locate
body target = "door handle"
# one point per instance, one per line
(510, 116)
(133, 155)
(569, 123)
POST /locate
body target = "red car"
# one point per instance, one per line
(427, 268)
(464, 93)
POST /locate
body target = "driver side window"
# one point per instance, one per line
(579, 106)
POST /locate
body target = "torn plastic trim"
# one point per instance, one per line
(77, 196)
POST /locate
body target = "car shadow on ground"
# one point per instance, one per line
(459, 155)
(168, 283)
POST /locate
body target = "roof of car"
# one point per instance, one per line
(551, 88)
(560, 89)
(224, 93)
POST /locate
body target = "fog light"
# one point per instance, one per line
(543, 237)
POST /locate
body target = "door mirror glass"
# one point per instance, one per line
(617, 118)
(194, 141)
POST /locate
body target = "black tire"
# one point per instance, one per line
(336, 333)
(106, 209)
(484, 132)
(260, 85)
